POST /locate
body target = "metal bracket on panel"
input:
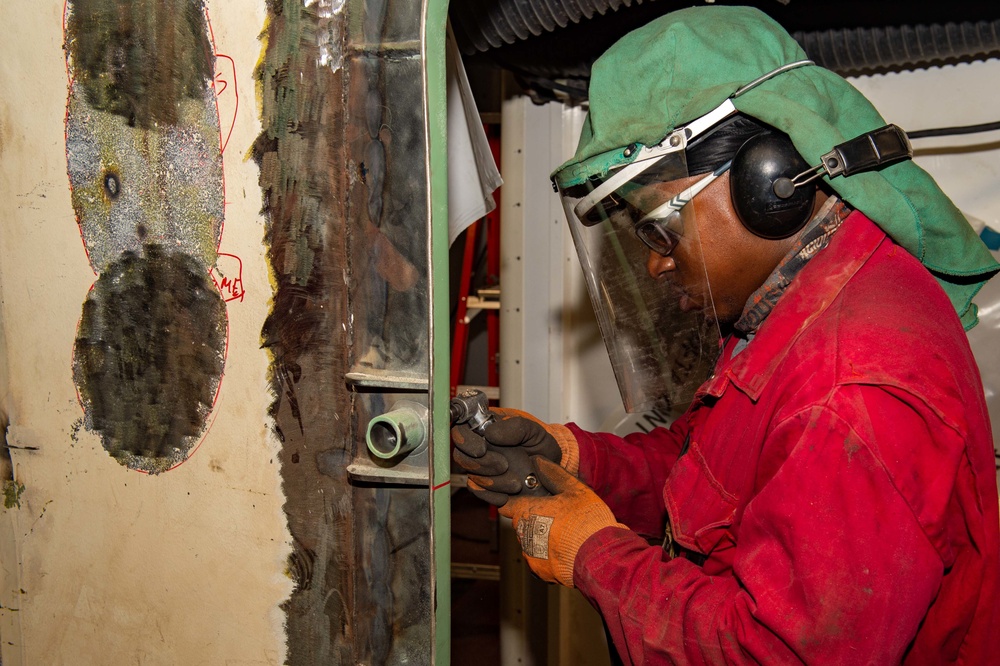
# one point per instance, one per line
(411, 472)
(397, 440)
(387, 380)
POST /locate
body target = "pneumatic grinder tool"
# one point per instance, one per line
(472, 407)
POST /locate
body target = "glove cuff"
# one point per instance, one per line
(570, 460)
(573, 538)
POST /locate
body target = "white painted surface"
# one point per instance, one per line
(553, 364)
(100, 564)
(966, 167)
(553, 361)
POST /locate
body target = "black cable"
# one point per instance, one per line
(950, 131)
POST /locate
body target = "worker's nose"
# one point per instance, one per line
(658, 265)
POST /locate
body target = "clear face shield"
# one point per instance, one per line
(661, 332)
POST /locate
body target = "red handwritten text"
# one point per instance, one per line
(227, 274)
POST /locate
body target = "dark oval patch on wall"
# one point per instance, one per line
(149, 355)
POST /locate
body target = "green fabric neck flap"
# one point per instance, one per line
(687, 62)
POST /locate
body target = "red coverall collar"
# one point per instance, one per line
(809, 294)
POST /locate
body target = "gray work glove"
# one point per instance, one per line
(499, 460)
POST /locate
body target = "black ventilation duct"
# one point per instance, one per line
(490, 25)
(856, 50)
(550, 45)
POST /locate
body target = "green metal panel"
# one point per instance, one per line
(434, 44)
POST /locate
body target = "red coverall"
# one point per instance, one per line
(836, 478)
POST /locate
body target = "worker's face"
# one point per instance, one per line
(715, 245)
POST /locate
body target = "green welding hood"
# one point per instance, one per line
(683, 65)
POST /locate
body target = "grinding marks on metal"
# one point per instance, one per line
(145, 172)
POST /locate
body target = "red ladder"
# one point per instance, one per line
(486, 299)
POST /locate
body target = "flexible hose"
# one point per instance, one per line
(505, 26)
(853, 50)
(490, 25)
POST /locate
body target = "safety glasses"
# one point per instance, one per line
(661, 228)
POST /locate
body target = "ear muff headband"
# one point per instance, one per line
(773, 188)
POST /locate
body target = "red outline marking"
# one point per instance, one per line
(439, 487)
(69, 95)
(236, 94)
(222, 146)
(213, 413)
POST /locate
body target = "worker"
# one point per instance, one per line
(829, 496)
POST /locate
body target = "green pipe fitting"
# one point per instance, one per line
(398, 432)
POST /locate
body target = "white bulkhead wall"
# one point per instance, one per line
(100, 564)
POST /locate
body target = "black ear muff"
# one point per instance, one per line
(757, 166)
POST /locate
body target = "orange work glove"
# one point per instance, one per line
(552, 529)
(498, 460)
